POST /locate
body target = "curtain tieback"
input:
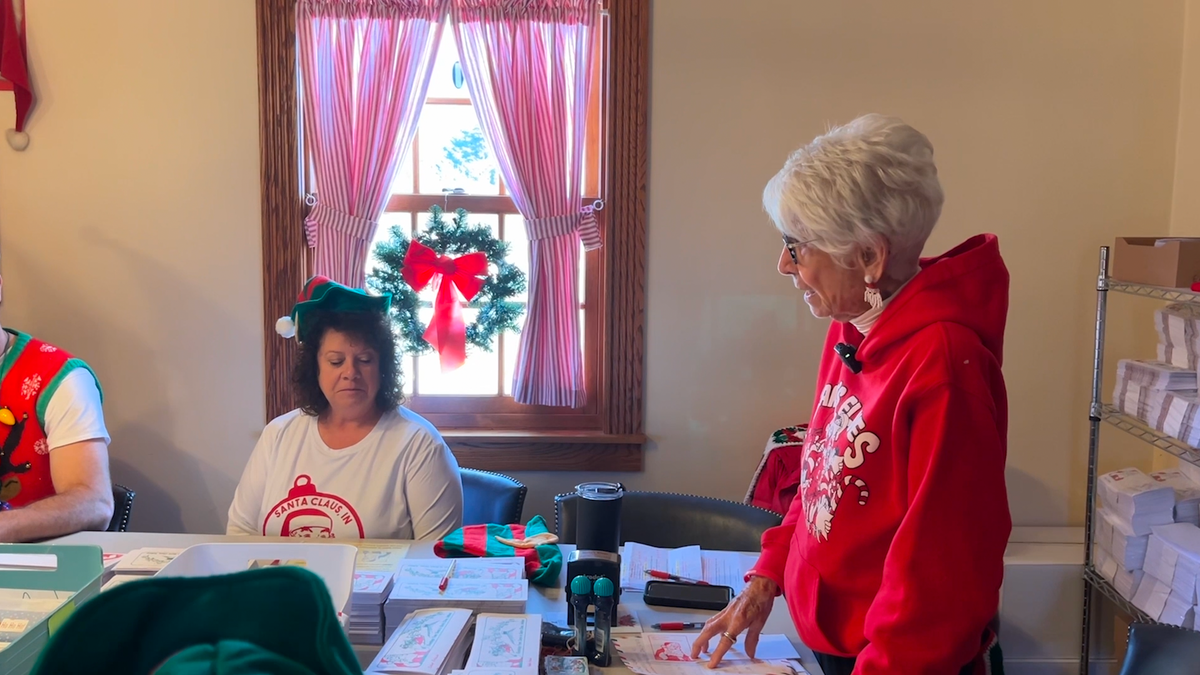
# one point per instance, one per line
(584, 221)
(345, 223)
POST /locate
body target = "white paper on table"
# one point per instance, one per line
(408, 588)
(670, 654)
(506, 641)
(422, 642)
(727, 568)
(379, 556)
(464, 568)
(637, 559)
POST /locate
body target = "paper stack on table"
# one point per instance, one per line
(1178, 329)
(670, 654)
(720, 568)
(369, 592)
(506, 642)
(1187, 494)
(139, 563)
(510, 567)
(409, 594)
(426, 642)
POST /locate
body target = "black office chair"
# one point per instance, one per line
(1158, 649)
(491, 498)
(122, 507)
(669, 520)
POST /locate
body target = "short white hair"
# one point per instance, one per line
(869, 183)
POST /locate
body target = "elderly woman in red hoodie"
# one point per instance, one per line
(891, 555)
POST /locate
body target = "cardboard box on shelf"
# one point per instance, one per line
(1172, 262)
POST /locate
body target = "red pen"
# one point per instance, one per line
(678, 625)
(446, 578)
(657, 574)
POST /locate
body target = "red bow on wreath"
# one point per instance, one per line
(458, 279)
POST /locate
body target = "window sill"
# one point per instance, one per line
(546, 450)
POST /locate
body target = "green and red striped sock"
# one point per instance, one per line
(542, 563)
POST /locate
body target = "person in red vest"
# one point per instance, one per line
(53, 442)
(891, 554)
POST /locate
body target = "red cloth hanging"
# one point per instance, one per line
(14, 64)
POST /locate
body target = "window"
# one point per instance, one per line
(451, 165)
(473, 407)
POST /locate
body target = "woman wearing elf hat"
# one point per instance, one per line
(350, 463)
(891, 555)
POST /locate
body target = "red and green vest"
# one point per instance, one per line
(29, 375)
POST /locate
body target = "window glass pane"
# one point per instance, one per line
(518, 248)
(402, 184)
(476, 377)
(512, 345)
(407, 365)
(384, 232)
(453, 152)
(443, 82)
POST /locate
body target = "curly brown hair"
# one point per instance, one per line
(373, 328)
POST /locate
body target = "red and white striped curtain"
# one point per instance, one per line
(365, 67)
(527, 65)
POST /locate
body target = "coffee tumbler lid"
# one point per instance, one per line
(599, 490)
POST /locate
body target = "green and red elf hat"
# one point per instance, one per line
(322, 293)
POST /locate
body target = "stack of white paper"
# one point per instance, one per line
(1127, 549)
(1137, 499)
(1187, 494)
(506, 642)
(720, 568)
(464, 568)
(139, 563)
(1176, 413)
(1156, 375)
(1173, 563)
(1151, 596)
(409, 594)
(370, 591)
(1178, 329)
(426, 642)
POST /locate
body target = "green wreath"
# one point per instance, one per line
(497, 311)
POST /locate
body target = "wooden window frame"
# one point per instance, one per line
(612, 439)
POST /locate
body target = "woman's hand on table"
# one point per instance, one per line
(748, 612)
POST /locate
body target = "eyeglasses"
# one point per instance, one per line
(791, 246)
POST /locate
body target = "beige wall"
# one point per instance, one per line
(1185, 211)
(130, 235)
(130, 226)
(1054, 127)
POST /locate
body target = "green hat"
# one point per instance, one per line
(270, 621)
(324, 294)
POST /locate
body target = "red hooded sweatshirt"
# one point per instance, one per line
(892, 550)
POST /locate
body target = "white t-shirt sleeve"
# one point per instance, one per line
(74, 413)
(433, 490)
(244, 512)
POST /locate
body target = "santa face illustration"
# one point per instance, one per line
(308, 513)
(307, 524)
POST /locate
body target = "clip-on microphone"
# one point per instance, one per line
(847, 354)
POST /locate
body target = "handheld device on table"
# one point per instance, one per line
(602, 595)
(691, 596)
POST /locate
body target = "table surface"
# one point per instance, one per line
(549, 602)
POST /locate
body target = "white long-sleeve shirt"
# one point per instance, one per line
(399, 482)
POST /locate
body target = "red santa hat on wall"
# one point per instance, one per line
(14, 68)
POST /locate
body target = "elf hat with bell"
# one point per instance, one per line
(322, 293)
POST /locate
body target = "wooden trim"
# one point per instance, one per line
(521, 456)
(284, 249)
(625, 235)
